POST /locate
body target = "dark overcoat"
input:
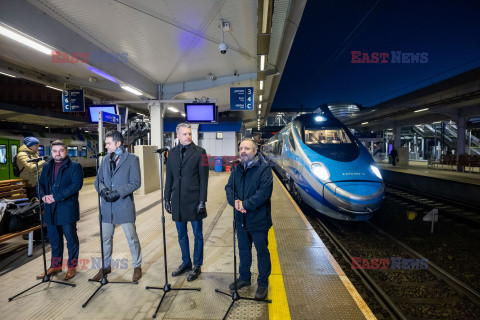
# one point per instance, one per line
(253, 186)
(125, 179)
(65, 188)
(186, 182)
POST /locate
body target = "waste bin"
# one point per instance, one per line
(218, 164)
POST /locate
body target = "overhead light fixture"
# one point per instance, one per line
(20, 37)
(260, 106)
(8, 75)
(260, 98)
(131, 89)
(261, 84)
(55, 88)
(173, 109)
(364, 123)
(265, 16)
(102, 74)
(262, 62)
(320, 118)
(259, 112)
(183, 114)
(421, 110)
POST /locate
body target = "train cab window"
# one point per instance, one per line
(3, 154)
(14, 151)
(84, 151)
(73, 151)
(326, 136)
(291, 140)
(41, 150)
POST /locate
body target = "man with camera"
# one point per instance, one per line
(253, 189)
(185, 196)
(118, 177)
(59, 185)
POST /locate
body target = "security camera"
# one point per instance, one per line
(223, 48)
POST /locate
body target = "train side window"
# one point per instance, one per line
(3, 154)
(291, 140)
(41, 150)
(14, 149)
(84, 151)
(73, 151)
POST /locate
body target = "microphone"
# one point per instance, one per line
(97, 155)
(162, 150)
(236, 162)
(38, 159)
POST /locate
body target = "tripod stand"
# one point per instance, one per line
(167, 287)
(235, 295)
(104, 280)
(46, 278)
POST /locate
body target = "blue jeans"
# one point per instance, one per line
(260, 239)
(55, 234)
(197, 227)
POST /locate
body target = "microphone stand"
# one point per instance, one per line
(104, 280)
(46, 278)
(167, 286)
(235, 295)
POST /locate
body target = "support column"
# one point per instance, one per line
(461, 126)
(156, 128)
(195, 133)
(397, 139)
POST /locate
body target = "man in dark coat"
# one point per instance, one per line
(118, 177)
(60, 182)
(185, 196)
(253, 181)
(394, 155)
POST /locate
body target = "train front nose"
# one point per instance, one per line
(359, 198)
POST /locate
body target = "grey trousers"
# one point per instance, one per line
(131, 233)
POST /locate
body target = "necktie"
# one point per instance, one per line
(183, 152)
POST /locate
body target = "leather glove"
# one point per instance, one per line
(168, 206)
(112, 196)
(103, 192)
(201, 209)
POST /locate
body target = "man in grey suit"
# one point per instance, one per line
(118, 177)
(185, 196)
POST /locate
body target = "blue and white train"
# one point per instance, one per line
(324, 165)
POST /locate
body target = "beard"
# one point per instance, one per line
(59, 159)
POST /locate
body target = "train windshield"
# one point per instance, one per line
(326, 137)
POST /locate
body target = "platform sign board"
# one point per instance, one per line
(73, 101)
(110, 118)
(77, 100)
(241, 98)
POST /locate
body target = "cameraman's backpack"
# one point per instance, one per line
(16, 169)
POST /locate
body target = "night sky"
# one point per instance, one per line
(443, 36)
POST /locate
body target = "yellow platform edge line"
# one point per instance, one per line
(278, 309)
(367, 313)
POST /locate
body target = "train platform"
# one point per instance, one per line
(463, 187)
(306, 282)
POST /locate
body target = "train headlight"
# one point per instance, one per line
(376, 171)
(320, 170)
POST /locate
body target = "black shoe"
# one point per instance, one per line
(194, 274)
(240, 285)
(261, 293)
(181, 270)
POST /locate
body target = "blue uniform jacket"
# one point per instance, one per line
(254, 186)
(65, 188)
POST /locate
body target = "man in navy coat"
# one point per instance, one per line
(253, 189)
(60, 182)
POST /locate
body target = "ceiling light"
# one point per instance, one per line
(183, 114)
(173, 109)
(18, 36)
(265, 16)
(8, 75)
(260, 98)
(260, 106)
(259, 112)
(262, 62)
(55, 88)
(364, 123)
(131, 89)
(261, 84)
(102, 74)
(421, 110)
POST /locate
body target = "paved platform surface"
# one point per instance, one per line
(306, 282)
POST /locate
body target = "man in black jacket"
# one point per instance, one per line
(185, 196)
(60, 183)
(253, 189)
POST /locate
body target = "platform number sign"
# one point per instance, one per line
(73, 101)
(241, 98)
